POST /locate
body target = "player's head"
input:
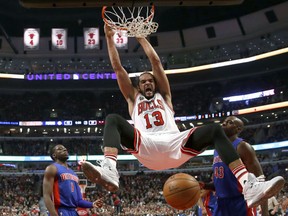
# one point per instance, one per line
(232, 126)
(147, 85)
(59, 152)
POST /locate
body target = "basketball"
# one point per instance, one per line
(181, 191)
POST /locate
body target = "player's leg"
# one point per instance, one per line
(117, 130)
(214, 135)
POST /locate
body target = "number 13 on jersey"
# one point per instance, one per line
(156, 119)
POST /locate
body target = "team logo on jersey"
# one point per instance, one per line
(150, 105)
(141, 98)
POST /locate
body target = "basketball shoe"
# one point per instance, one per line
(105, 174)
(255, 192)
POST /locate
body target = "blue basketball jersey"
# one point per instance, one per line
(66, 191)
(226, 184)
(230, 200)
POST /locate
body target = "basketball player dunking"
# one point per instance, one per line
(155, 139)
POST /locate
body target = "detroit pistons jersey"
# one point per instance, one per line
(65, 189)
(226, 184)
(153, 115)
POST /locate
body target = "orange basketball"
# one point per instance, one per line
(181, 191)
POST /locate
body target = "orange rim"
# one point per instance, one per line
(152, 13)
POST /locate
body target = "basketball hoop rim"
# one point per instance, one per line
(111, 24)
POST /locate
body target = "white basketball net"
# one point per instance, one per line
(133, 22)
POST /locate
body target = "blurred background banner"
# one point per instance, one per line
(31, 38)
(91, 38)
(59, 39)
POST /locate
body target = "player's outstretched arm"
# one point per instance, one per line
(124, 82)
(157, 69)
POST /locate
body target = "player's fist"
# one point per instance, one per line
(98, 203)
(109, 32)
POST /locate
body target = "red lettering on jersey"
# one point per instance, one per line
(141, 107)
(68, 176)
(149, 105)
(160, 104)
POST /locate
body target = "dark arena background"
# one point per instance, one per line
(222, 58)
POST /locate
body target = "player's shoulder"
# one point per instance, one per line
(244, 147)
(51, 169)
(244, 143)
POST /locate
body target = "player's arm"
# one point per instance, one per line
(123, 79)
(87, 204)
(48, 183)
(249, 158)
(158, 70)
(81, 202)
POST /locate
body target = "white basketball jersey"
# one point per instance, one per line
(153, 115)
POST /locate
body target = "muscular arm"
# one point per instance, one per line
(48, 183)
(158, 71)
(124, 82)
(249, 158)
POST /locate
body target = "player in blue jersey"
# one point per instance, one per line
(230, 200)
(61, 191)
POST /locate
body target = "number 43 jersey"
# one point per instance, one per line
(226, 184)
(153, 115)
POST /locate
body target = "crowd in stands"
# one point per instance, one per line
(16, 146)
(141, 191)
(188, 99)
(139, 194)
(20, 195)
